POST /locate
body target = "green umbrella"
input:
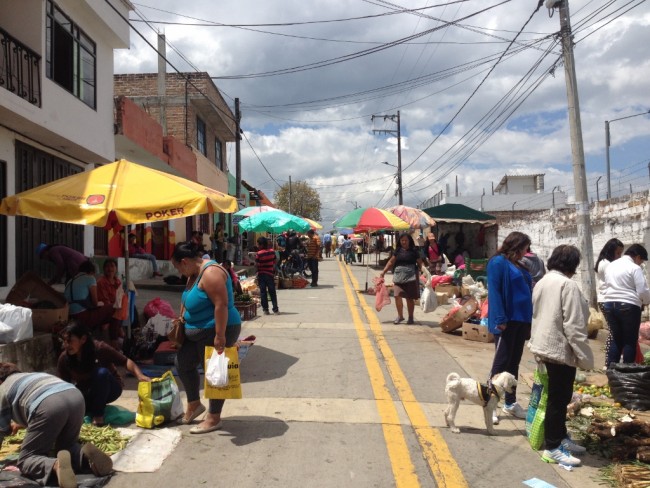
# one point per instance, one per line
(275, 221)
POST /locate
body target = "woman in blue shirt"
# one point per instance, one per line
(510, 311)
(211, 319)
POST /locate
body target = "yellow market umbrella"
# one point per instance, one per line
(312, 223)
(135, 194)
(126, 192)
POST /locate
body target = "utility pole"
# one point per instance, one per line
(162, 73)
(289, 193)
(398, 134)
(238, 170)
(578, 157)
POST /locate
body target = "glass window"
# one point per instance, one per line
(71, 59)
(218, 155)
(200, 136)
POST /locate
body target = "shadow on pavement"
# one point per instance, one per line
(264, 364)
(246, 430)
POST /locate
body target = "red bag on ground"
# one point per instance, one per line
(159, 306)
(382, 298)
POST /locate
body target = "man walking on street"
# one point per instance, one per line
(327, 244)
(265, 262)
(313, 256)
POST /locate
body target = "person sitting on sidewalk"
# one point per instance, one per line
(138, 252)
(91, 366)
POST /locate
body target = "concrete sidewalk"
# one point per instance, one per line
(309, 412)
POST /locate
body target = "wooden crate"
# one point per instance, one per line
(247, 310)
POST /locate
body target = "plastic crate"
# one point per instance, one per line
(248, 310)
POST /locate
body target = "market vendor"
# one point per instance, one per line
(92, 367)
(52, 412)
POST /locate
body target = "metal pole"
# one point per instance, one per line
(597, 192)
(289, 193)
(238, 252)
(399, 161)
(578, 156)
(609, 181)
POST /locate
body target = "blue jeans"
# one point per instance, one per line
(266, 283)
(624, 321)
(106, 388)
(149, 257)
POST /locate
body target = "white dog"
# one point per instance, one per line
(488, 397)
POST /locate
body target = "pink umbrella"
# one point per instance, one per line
(416, 218)
(248, 211)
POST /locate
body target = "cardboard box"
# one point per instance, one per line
(450, 290)
(48, 305)
(464, 290)
(476, 332)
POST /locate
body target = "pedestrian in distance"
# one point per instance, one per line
(91, 366)
(138, 252)
(611, 251)
(406, 263)
(52, 411)
(265, 260)
(626, 290)
(313, 255)
(559, 341)
(510, 311)
(327, 244)
(534, 265)
(211, 319)
(65, 259)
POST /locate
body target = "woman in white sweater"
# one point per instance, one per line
(559, 341)
(611, 251)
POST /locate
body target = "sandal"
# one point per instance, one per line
(195, 413)
(398, 320)
(410, 322)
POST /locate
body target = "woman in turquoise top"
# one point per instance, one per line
(211, 319)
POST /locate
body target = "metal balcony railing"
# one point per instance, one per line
(19, 69)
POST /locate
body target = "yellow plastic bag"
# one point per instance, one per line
(159, 401)
(233, 390)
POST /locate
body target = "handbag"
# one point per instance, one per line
(159, 401)
(537, 408)
(216, 373)
(177, 333)
(233, 389)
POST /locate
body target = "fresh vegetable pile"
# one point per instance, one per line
(105, 438)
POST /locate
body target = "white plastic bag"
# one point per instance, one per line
(217, 373)
(428, 300)
(15, 323)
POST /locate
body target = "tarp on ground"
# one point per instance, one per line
(456, 212)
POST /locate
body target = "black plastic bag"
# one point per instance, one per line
(630, 385)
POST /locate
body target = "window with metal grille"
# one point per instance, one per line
(71, 56)
(200, 137)
(218, 155)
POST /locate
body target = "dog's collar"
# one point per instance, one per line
(486, 391)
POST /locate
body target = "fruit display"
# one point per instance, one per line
(592, 390)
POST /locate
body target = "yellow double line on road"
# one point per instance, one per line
(443, 467)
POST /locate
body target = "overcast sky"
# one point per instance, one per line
(480, 89)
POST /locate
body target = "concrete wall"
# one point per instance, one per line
(626, 218)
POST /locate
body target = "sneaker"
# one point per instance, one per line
(560, 456)
(495, 418)
(277, 312)
(266, 312)
(515, 410)
(572, 447)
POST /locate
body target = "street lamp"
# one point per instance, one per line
(553, 194)
(399, 181)
(607, 144)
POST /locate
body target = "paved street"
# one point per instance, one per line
(335, 395)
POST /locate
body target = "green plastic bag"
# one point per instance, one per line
(537, 408)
